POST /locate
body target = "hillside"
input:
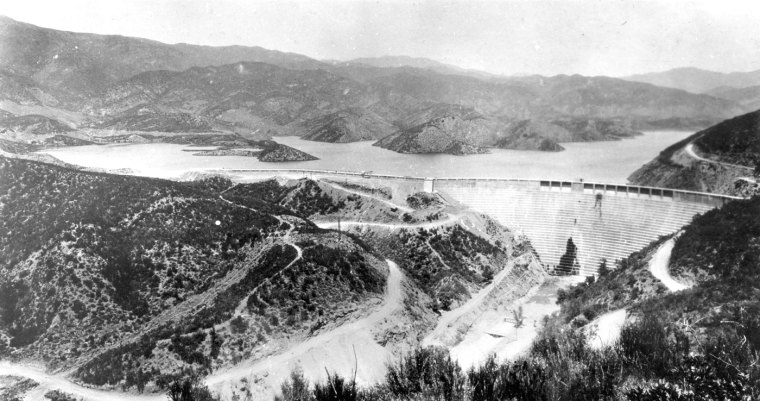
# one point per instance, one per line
(696, 80)
(451, 133)
(749, 96)
(142, 272)
(545, 135)
(625, 335)
(128, 282)
(276, 95)
(710, 160)
(82, 64)
(31, 124)
(349, 125)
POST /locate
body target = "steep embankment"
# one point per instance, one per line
(710, 160)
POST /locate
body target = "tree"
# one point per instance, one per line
(603, 269)
(517, 314)
(566, 262)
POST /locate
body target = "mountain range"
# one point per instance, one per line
(697, 80)
(131, 84)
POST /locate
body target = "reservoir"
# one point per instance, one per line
(609, 162)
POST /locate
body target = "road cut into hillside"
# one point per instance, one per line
(49, 382)
(660, 266)
(347, 350)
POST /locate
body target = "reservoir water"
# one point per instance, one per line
(609, 162)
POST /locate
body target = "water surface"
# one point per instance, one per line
(610, 162)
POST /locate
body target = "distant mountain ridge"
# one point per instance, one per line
(697, 80)
(136, 84)
(419, 62)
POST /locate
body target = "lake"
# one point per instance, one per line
(609, 162)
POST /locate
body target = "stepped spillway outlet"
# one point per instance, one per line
(604, 221)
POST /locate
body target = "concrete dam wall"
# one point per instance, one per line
(604, 221)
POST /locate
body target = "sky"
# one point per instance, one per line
(589, 37)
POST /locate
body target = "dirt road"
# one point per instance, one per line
(50, 382)
(333, 349)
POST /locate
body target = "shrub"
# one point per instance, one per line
(295, 389)
(189, 390)
(426, 371)
(336, 388)
(521, 380)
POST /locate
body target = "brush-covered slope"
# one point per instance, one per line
(136, 281)
(32, 124)
(731, 149)
(442, 135)
(703, 338)
(266, 91)
(348, 125)
(82, 64)
(442, 129)
(545, 135)
(152, 120)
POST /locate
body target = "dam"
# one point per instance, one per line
(604, 221)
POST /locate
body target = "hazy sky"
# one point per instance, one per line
(589, 37)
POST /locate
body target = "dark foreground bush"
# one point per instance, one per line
(189, 390)
(336, 388)
(426, 372)
(652, 361)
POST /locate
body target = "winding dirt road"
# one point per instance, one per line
(366, 195)
(48, 382)
(690, 151)
(391, 226)
(331, 349)
(659, 266)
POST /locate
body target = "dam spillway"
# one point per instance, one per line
(604, 221)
